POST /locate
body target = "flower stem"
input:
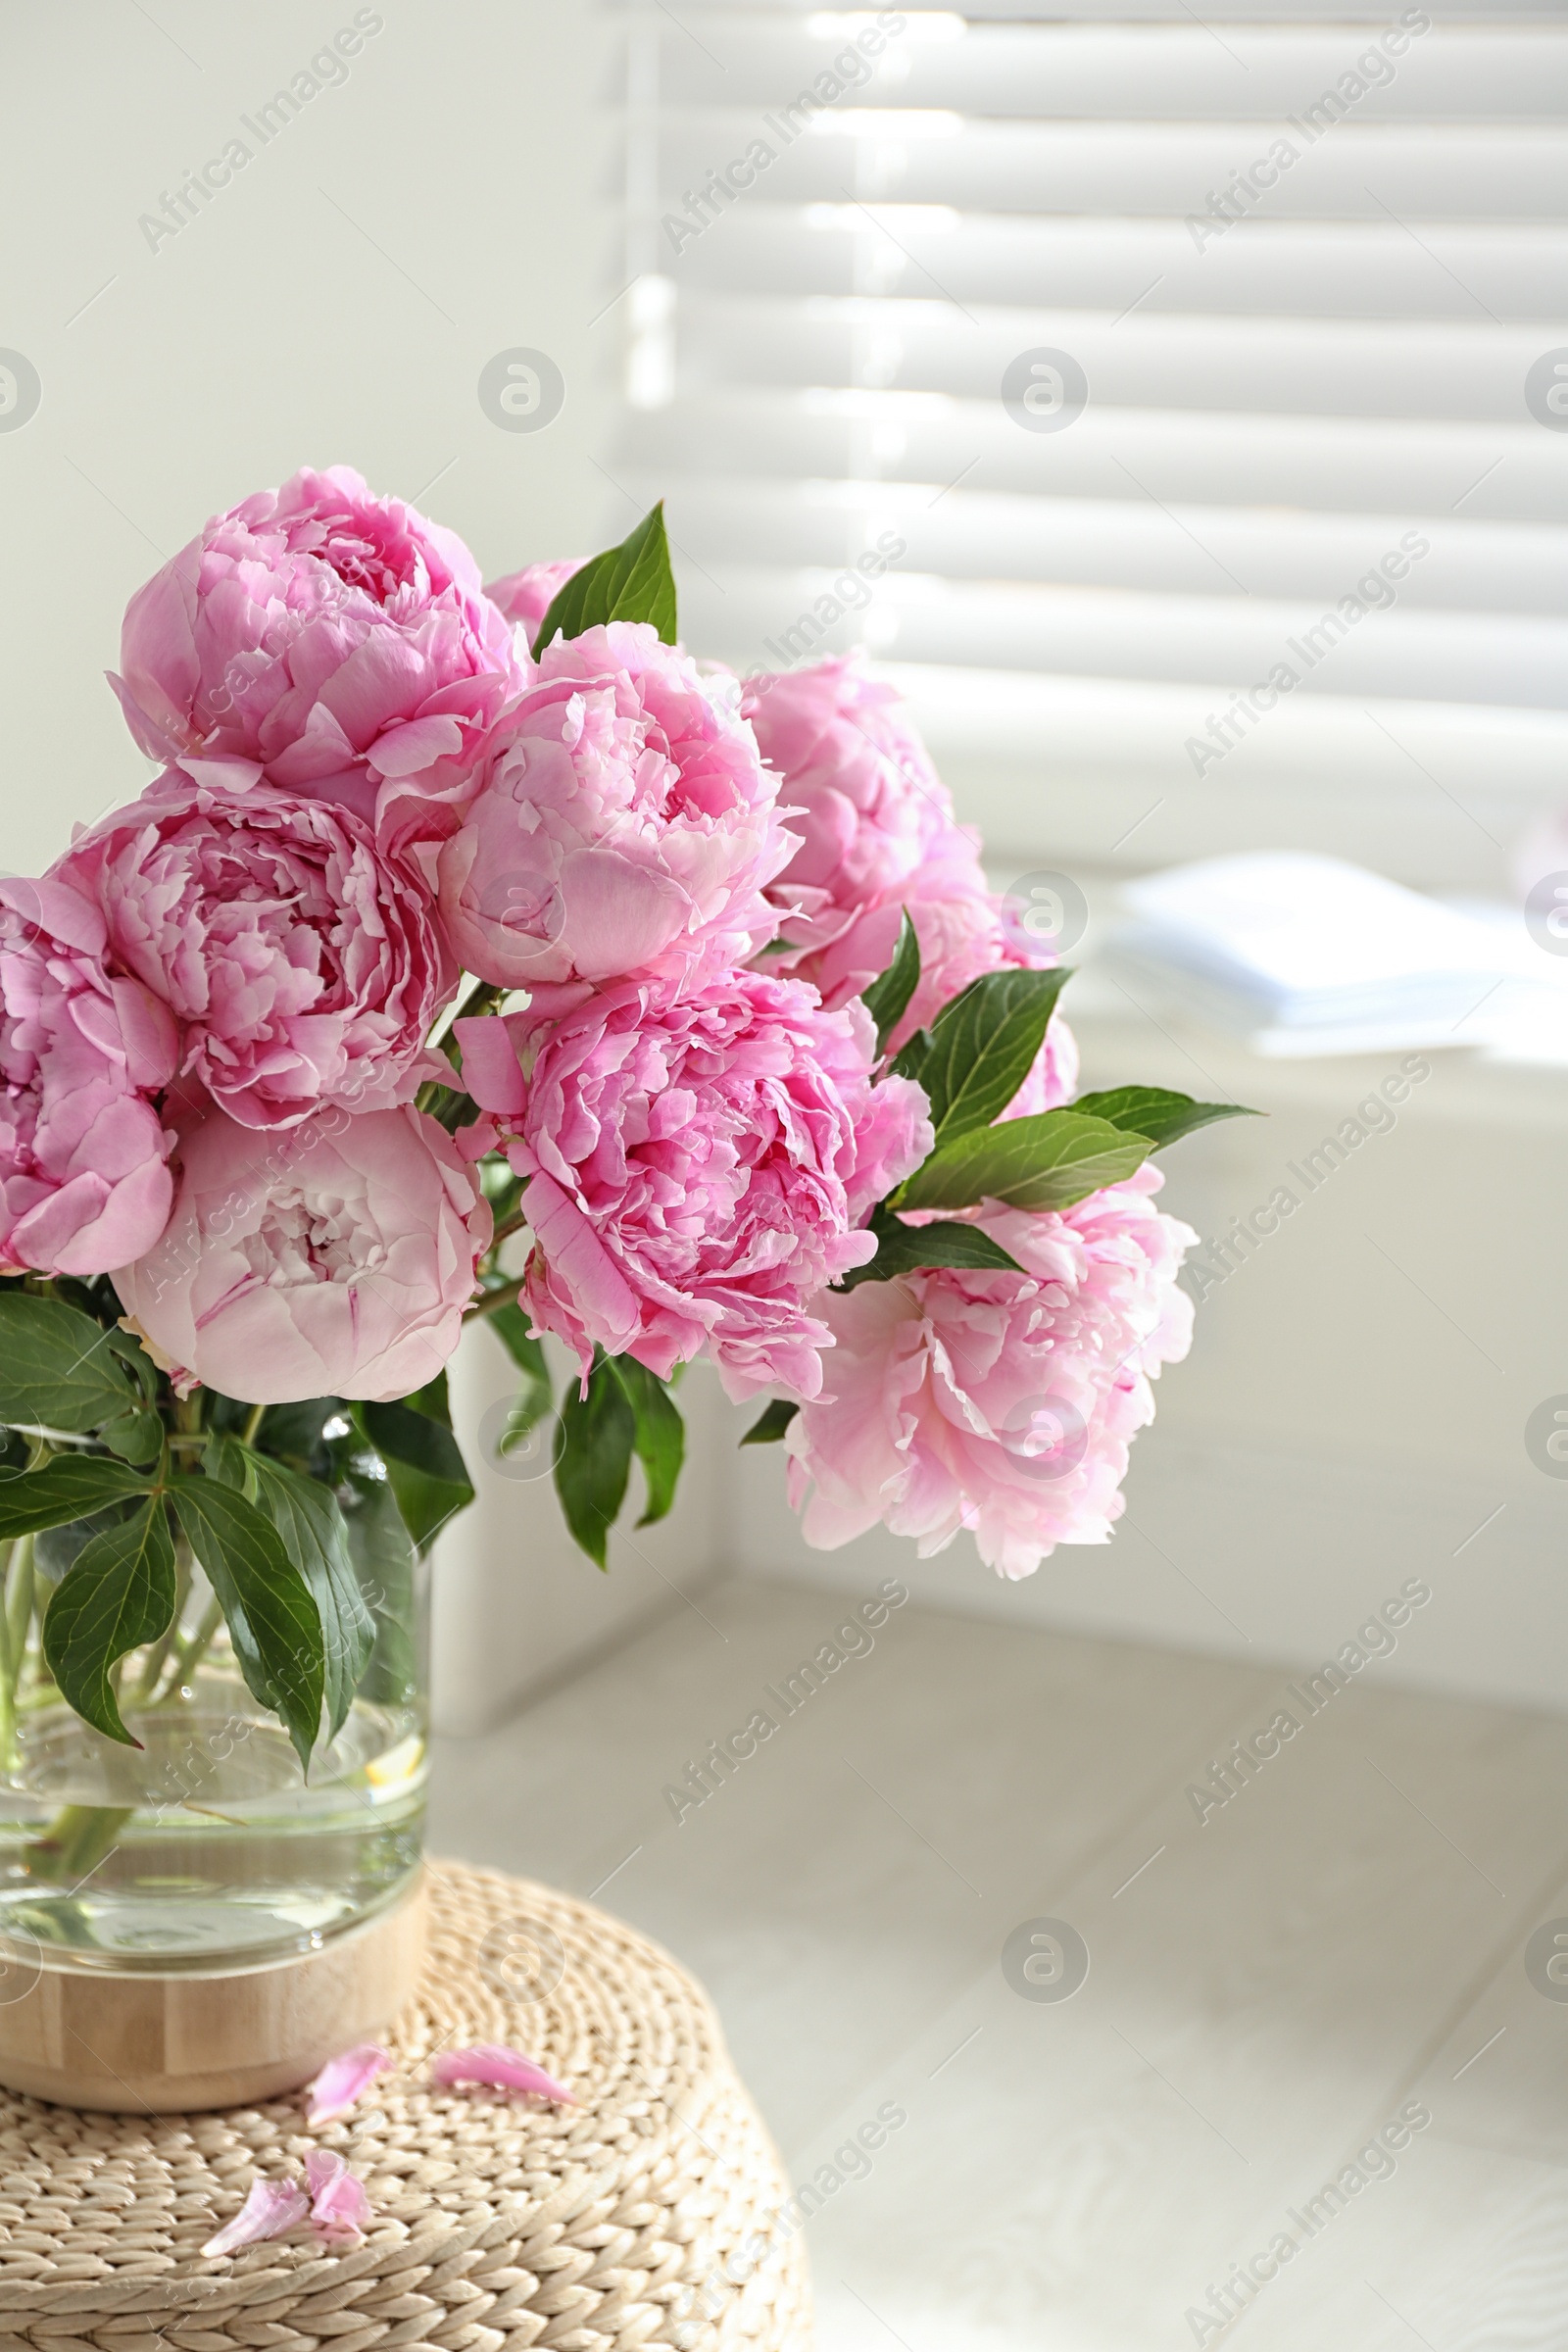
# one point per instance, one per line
(506, 1296)
(19, 1605)
(253, 1425)
(77, 1840)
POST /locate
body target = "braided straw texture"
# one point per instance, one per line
(653, 2213)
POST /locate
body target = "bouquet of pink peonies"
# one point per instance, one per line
(484, 955)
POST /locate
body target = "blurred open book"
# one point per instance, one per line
(1304, 955)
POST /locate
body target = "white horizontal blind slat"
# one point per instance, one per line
(1276, 399)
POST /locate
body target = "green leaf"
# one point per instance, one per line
(911, 1059)
(386, 1570)
(658, 1437)
(423, 1460)
(70, 1487)
(58, 1368)
(983, 1047)
(1047, 1161)
(273, 1618)
(905, 1249)
(118, 1594)
(294, 1431)
(629, 582)
(57, 1549)
(135, 1436)
(886, 1000)
(1155, 1111)
(771, 1422)
(597, 1433)
(131, 1350)
(307, 1517)
(537, 1396)
(409, 1433)
(226, 1459)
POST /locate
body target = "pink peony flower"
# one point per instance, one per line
(698, 1168)
(525, 597)
(623, 825)
(340, 2209)
(334, 1259)
(302, 966)
(504, 2069)
(83, 1179)
(880, 836)
(334, 642)
(343, 2081)
(870, 808)
(271, 2210)
(999, 1402)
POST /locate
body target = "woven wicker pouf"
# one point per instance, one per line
(653, 2213)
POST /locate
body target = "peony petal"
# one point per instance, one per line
(339, 2205)
(506, 2070)
(273, 2208)
(491, 1070)
(341, 2081)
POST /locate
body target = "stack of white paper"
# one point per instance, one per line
(1306, 954)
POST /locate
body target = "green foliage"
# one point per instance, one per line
(629, 582)
(273, 1618)
(118, 1594)
(597, 1433)
(886, 1000)
(70, 1487)
(1047, 1161)
(905, 1249)
(59, 1369)
(658, 1434)
(1157, 1112)
(311, 1529)
(983, 1047)
(771, 1422)
(536, 1398)
(385, 1569)
(423, 1460)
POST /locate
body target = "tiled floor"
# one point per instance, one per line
(1267, 1990)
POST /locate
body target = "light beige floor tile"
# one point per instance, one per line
(1266, 1988)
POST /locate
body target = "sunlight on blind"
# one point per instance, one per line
(1208, 382)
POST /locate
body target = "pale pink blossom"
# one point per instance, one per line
(622, 824)
(333, 1259)
(271, 2210)
(342, 2082)
(492, 2062)
(303, 966)
(1003, 1402)
(84, 1053)
(525, 597)
(340, 2209)
(329, 640)
(880, 837)
(964, 934)
(698, 1168)
(870, 809)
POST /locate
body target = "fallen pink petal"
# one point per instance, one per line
(493, 2063)
(272, 2208)
(342, 2082)
(339, 2205)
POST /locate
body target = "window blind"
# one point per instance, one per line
(1177, 410)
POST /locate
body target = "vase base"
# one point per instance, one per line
(138, 2041)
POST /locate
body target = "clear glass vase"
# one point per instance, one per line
(207, 1846)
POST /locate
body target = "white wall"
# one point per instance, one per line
(336, 303)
